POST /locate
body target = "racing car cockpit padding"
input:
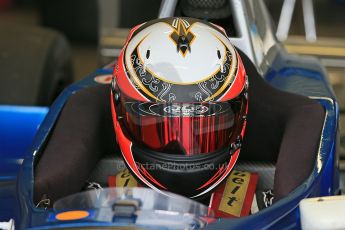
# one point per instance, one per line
(282, 128)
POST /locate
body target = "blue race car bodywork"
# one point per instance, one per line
(19, 125)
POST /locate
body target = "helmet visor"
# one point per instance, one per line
(182, 128)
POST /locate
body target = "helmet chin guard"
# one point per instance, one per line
(179, 105)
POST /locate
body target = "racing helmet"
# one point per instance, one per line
(179, 105)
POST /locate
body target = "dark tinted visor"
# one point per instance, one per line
(182, 128)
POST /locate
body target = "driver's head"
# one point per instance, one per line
(179, 102)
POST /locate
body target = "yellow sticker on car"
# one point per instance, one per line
(125, 179)
(235, 193)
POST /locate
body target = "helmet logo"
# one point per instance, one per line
(186, 110)
(182, 36)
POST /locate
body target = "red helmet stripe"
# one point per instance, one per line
(148, 175)
(120, 73)
(215, 176)
(238, 84)
(231, 164)
(125, 84)
(126, 147)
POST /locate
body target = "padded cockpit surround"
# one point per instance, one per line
(82, 133)
(283, 128)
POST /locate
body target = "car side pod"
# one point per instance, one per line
(323, 213)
